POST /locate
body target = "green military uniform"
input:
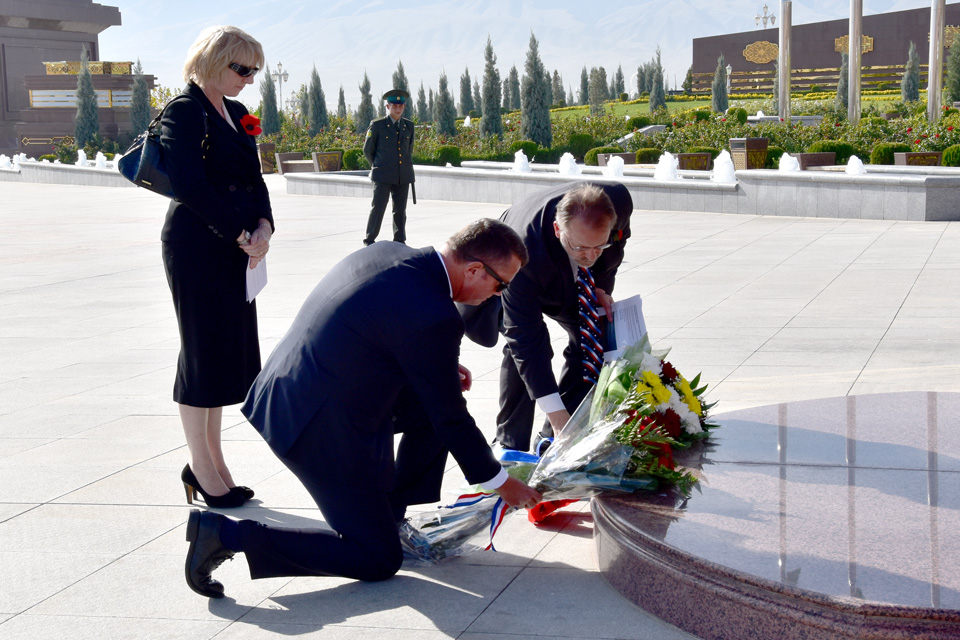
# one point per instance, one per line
(389, 150)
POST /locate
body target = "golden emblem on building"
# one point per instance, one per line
(761, 52)
(842, 44)
(950, 34)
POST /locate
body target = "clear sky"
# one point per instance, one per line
(344, 39)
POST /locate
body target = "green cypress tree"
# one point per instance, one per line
(365, 110)
(688, 82)
(466, 97)
(446, 112)
(269, 114)
(595, 92)
(477, 96)
(556, 87)
(491, 123)
(88, 116)
(843, 82)
(910, 85)
(584, 87)
(139, 101)
(535, 100)
(619, 86)
(606, 86)
(423, 112)
(381, 109)
(515, 102)
(505, 96)
(951, 88)
(341, 105)
(719, 101)
(658, 98)
(570, 99)
(431, 105)
(400, 78)
(318, 105)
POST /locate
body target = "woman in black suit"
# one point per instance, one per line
(218, 226)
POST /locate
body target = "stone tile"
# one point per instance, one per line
(848, 202)
(29, 627)
(872, 203)
(241, 631)
(528, 607)
(444, 598)
(828, 202)
(32, 576)
(896, 202)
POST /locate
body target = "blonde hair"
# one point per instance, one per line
(215, 48)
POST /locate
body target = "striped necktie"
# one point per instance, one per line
(589, 326)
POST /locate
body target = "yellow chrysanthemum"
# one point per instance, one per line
(691, 400)
(660, 393)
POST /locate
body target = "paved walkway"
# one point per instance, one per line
(91, 507)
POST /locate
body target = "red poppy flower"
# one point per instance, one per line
(723, 119)
(949, 128)
(937, 135)
(917, 141)
(909, 129)
(251, 124)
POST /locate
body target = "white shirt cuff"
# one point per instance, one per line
(551, 403)
(496, 482)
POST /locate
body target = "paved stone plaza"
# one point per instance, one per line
(92, 510)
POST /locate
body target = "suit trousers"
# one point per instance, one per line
(364, 543)
(383, 191)
(515, 419)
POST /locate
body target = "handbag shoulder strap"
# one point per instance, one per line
(156, 121)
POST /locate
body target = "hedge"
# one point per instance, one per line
(590, 158)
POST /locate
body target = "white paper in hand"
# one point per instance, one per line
(256, 279)
(627, 328)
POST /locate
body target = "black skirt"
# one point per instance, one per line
(219, 347)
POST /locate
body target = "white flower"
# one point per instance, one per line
(651, 363)
(689, 420)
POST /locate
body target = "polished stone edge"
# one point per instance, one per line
(714, 602)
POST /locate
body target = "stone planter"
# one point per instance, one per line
(918, 158)
(892, 116)
(695, 161)
(749, 153)
(628, 158)
(820, 159)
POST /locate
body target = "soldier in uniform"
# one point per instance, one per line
(389, 150)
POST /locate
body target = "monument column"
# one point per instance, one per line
(855, 55)
(786, 27)
(935, 59)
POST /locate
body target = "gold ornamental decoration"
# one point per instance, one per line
(842, 44)
(761, 52)
(950, 34)
(97, 67)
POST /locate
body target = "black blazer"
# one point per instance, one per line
(388, 148)
(546, 286)
(216, 178)
(381, 321)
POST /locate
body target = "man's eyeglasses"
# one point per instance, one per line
(242, 71)
(599, 247)
(502, 284)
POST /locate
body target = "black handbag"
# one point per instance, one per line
(143, 165)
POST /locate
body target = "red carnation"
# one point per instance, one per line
(909, 129)
(666, 456)
(917, 141)
(670, 422)
(949, 128)
(668, 371)
(251, 124)
(836, 124)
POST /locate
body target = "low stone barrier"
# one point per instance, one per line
(49, 173)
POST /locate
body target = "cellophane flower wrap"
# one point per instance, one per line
(620, 438)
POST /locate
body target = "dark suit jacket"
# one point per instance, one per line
(381, 321)
(388, 148)
(219, 189)
(546, 286)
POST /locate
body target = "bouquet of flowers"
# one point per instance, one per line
(621, 438)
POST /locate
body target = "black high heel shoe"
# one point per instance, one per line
(246, 491)
(191, 486)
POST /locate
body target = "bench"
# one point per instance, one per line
(293, 162)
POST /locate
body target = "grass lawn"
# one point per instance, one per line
(621, 109)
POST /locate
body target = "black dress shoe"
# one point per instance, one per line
(246, 491)
(206, 553)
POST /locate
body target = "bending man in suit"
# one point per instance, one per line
(565, 228)
(373, 351)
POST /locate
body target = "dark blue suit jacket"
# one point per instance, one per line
(381, 321)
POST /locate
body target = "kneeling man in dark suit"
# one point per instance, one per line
(373, 352)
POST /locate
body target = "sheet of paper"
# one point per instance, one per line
(627, 327)
(256, 280)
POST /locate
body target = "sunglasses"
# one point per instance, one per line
(599, 247)
(502, 284)
(242, 71)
